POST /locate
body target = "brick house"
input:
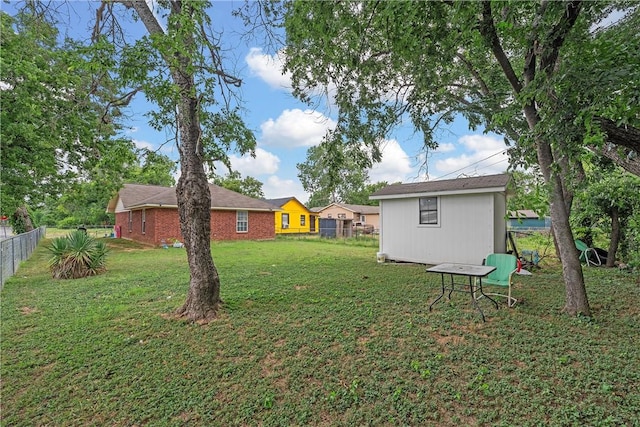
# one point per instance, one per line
(149, 214)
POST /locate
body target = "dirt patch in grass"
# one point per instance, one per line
(445, 341)
(28, 310)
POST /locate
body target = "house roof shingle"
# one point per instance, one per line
(487, 183)
(280, 202)
(136, 196)
(361, 209)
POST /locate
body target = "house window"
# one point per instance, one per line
(342, 216)
(429, 210)
(130, 221)
(363, 219)
(329, 216)
(144, 221)
(242, 221)
(285, 220)
(303, 220)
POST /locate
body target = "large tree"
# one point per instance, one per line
(500, 64)
(84, 202)
(178, 65)
(51, 122)
(335, 173)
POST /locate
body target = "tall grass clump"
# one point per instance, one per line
(77, 255)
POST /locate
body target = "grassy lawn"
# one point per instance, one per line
(312, 333)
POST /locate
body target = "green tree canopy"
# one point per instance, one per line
(529, 193)
(53, 129)
(610, 204)
(335, 173)
(249, 186)
(152, 168)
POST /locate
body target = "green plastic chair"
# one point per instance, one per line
(506, 265)
(585, 250)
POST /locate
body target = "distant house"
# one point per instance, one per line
(358, 216)
(457, 220)
(294, 216)
(149, 214)
(527, 220)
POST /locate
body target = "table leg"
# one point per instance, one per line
(442, 294)
(486, 296)
(453, 284)
(472, 291)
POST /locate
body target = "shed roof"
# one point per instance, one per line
(479, 184)
(138, 196)
(523, 213)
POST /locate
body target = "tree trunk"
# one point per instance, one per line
(22, 220)
(575, 291)
(194, 197)
(194, 205)
(615, 237)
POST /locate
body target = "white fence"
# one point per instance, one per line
(16, 249)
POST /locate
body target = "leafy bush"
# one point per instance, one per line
(77, 255)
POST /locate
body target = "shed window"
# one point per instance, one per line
(242, 221)
(429, 210)
(303, 220)
(130, 221)
(285, 220)
(144, 221)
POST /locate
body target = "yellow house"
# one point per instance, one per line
(294, 217)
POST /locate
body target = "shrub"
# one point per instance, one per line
(77, 255)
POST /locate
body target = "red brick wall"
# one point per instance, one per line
(165, 224)
(261, 226)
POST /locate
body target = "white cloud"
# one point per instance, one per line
(395, 165)
(296, 128)
(445, 148)
(143, 144)
(484, 155)
(268, 68)
(264, 163)
(276, 187)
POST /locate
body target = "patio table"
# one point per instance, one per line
(474, 273)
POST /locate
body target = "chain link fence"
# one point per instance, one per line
(14, 250)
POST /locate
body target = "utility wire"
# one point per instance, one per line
(475, 163)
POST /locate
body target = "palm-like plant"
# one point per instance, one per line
(77, 255)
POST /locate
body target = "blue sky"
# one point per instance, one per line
(285, 128)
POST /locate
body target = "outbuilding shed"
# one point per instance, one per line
(456, 220)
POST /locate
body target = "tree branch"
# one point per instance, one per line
(146, 15)
(124, 100)
(488, 31)
(484, 89)
(623, 136)
(557, 36)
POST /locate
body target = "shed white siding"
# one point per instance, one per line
(470, 226)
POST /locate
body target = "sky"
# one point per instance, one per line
(285, 128)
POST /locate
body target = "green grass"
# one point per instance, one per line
(311, 333)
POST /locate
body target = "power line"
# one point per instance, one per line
(475, 163)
